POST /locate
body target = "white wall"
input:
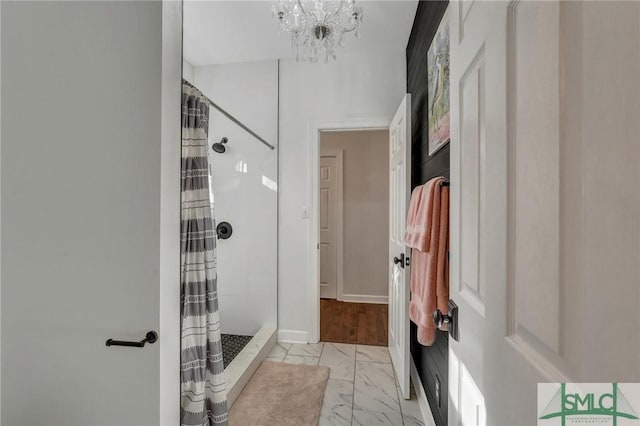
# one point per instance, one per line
(188, 71)
(247, 262)
(0, 217)
(365, 211)
(355, 86)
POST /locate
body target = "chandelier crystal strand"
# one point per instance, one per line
(317, 27)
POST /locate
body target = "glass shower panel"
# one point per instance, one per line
(245, 193)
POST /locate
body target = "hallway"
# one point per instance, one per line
(346, 322)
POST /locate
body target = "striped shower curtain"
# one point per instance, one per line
(203, 400)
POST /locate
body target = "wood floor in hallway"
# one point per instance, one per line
(360, 323)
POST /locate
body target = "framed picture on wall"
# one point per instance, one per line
(438, 87)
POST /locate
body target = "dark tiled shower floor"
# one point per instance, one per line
(232, 344)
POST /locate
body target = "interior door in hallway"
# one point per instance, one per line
(491, 381)
(329, 225)
(541, 213)
(399, 285)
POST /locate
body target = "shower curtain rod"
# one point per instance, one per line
(232, 118)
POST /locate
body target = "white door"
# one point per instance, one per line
(540, 212)
(399, 277)
(330, 225)
(86, 213)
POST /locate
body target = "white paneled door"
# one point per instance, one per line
(330, 224)
(482, 359)
(399, 285)
(534, 243)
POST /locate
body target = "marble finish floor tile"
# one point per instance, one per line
(362, 417)
(298, 359)
(411, 414)
(337, 406)
(341, 359)
(375, 398)
(373, 354)
(278, 352)
(309, 349)
(362, 386)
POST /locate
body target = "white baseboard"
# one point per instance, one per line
(427, 416)
(293, 336)
(364, 298)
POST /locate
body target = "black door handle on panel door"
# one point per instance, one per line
(399, 261)
(448, 322)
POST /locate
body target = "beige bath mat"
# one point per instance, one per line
(282, 395)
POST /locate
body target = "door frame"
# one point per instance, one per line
(170, 148)
(339, 156)
(315, 127)
(0, 204)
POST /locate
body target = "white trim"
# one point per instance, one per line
(537, 359)
(293, 336)
(427, 415)
(338, 154)
(365, 298)
(169, 288)
(0, 222)
(315, 127)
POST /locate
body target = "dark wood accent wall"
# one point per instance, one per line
(431, 362)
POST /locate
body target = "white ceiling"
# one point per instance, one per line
(218, 32)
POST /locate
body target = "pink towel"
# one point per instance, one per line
(429, 236)
(420, 216)
(412, 232)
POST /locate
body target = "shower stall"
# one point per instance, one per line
(243, 175)
(243, 184)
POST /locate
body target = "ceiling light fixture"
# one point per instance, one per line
(317, 27)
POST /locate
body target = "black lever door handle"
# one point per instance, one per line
(151, 337)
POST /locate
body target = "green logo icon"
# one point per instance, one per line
(564, 404)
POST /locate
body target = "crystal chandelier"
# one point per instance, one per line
(317, 27)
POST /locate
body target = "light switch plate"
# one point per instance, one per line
(305, 212)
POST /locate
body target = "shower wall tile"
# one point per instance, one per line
(244, 185)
